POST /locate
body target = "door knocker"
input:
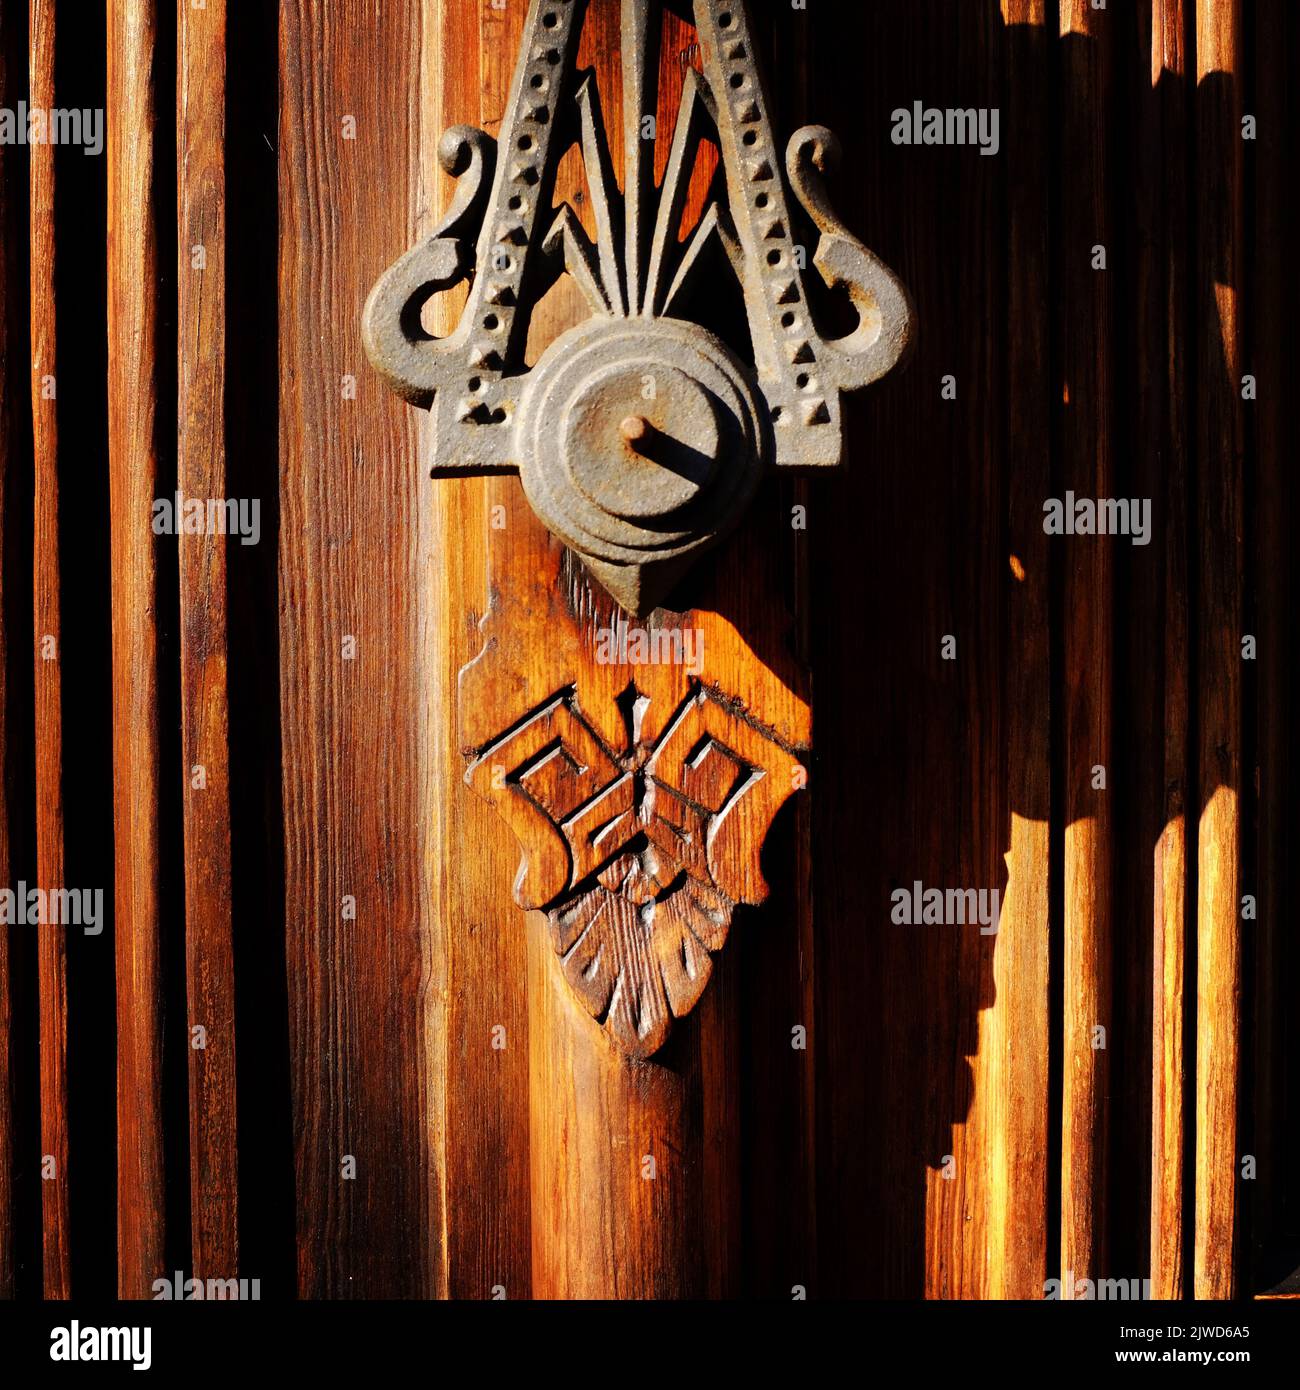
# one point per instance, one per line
(636, 480)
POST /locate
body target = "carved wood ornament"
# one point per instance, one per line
(641, 797)
(641, 805)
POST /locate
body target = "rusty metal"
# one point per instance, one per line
(640, 435)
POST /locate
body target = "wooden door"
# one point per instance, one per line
(318, 1042)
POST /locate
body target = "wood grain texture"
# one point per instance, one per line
(948, 1130)
(14, 208)
(350, 573)
(47, 639)
(626, 1175)
(962, 837)
(1086, 469)
(1219, 561)
(201, 474)
(969, 1212)
(478, 939)
(919, 790)
(769, 1229)
(658, 1141)
(133, 446)
(990, 1115)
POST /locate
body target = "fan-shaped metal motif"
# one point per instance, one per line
(640, 435)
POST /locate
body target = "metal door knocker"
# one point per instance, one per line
(637, 483)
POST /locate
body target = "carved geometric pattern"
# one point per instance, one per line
(638, 856)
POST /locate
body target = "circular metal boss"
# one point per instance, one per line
(639, 455)
(639, 440)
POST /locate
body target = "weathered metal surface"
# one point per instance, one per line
(639, 436)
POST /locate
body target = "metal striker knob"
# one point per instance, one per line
(639, 433)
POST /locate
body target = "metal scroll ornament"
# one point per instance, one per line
(641, 435)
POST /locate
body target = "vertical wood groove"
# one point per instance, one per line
(48, 636)
(1220, 561)
(478, 934)
(133, 346)
(1086, 338)
(201, 474)
(14, 389)
(1019, 1039)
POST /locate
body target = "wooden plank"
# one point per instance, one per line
(201, 474)
(968, 825)
(1219, 564)
(1017, 1040)
(634, 1164)
(774, 1222)
(1164, 210)
(975, 1206)
(352, 704)
(1136, 784)
(895, 720)
(266, 1170)
(133, 273)
(1084, 351)
(479, 942)
(605, 1226)
(52, 947)
(14, 212)
(870, 1186)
